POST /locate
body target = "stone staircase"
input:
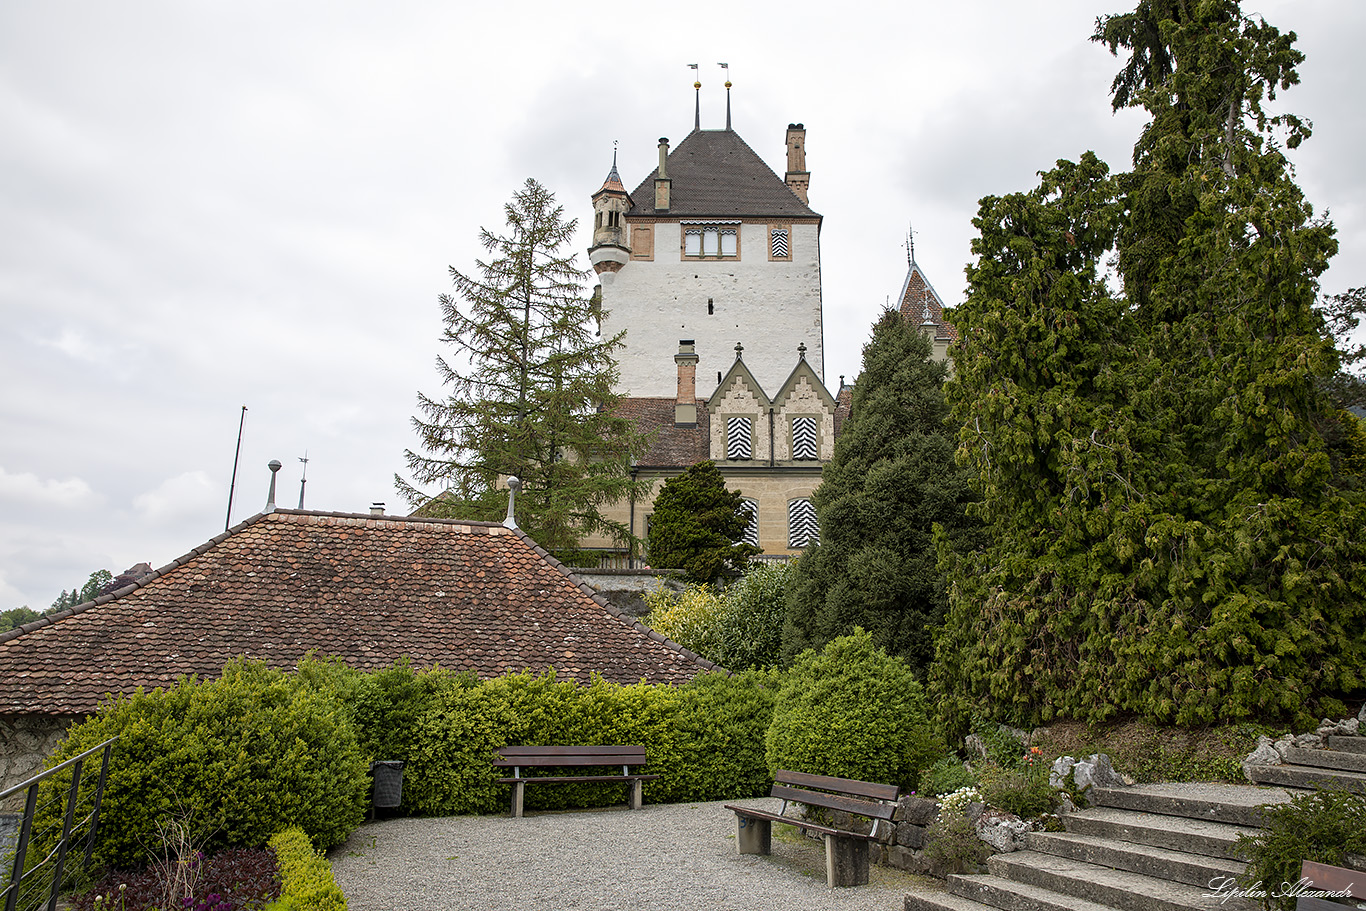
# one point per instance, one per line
(1149, 847)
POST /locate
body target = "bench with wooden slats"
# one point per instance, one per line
(526, 758)
(846, 851)
(1315, 877)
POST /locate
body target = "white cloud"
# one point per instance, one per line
(29, 488)
(183, 496)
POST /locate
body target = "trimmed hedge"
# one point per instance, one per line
(852, 711)
(237, 759)
(306, 882)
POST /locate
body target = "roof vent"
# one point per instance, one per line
(377, 508)
(274, 466)
(514, 485)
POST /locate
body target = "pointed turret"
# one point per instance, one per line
(610, 205)
(920, 305)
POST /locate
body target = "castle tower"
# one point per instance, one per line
(610, 205)
(921, 305)
(715, 247)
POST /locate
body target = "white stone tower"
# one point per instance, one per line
(716, 248)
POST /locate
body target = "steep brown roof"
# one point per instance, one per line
(670, 446)
(715, 174)
(465, 595)
(919, 302)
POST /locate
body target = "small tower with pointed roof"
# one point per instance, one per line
(610, 205)
(921, 305)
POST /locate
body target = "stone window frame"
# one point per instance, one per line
(780, 227)
(701, 225)
(643, 252)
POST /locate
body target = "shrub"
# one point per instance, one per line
(1150, 753)
(952, 845)
(852, 711)
(237, 758)
(1015, 792)
(698, 526)
(738, 629)
(720, 723)
(306, 882)
(945, 776)
(692, 618)
(1324, 826)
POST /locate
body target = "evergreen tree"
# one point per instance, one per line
(697, 526)
(891, 480)
(529, 390)
(1173, 499)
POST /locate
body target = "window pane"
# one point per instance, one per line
(709, 245)
(693, 242)
(738, 438)
(728, 239)
(801, 524)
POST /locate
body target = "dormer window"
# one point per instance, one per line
(703, 240)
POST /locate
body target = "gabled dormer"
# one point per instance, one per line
(804, 416)
(739, 416)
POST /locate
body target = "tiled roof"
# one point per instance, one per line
(919, 300)
(843, 401)
(670, 446)
(465, 595)
(715, 174)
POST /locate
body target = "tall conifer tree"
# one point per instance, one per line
(891, 480)
(1174, 500)
(529, 390)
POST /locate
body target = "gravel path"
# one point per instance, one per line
(669, 857)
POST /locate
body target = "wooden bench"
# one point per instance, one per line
(519, 758)
(846, 851)
(1324, 878)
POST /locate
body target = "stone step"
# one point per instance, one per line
(1233, 804)
(1304, 777)
(941, 901)
(1347, 744)
(1195, 836)
(1157, 862)
(1117, 889)
(987, 891)
(1327, 759)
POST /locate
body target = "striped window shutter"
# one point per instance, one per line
(739, 438)
(751, 509)
(778, 241)
(804, 439)
(802, 529)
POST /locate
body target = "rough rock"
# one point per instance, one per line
(1096, 770)
(1284, 745)
(974, 743)
(1065, 805)
(1060, 772)
(1309, 741)
(916, 810)
(1265, 754)
(1361, 714)
(1004, 832)
(908, 860)
(1348, 728)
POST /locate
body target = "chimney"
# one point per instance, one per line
(685, 409)
(798, 177)
(376, 508)
(662, 182)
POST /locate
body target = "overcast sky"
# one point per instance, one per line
(213, 204)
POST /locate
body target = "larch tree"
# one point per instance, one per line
(1173, 499)
(529, 390)
(892, 479)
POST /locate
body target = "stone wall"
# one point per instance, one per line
(626, 588)
(25, 742)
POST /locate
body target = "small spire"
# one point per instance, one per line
(697, 101)
(274, 466)
(726, 67)
(739, 350)
(801, 351)
(514, 485)
(910, 245)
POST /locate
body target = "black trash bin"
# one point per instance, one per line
(388, 789)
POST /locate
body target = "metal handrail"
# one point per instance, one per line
(69, 824)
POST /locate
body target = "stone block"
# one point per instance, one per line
(1061, 771)
(910, 835)
(917, 810)
(908, 860)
